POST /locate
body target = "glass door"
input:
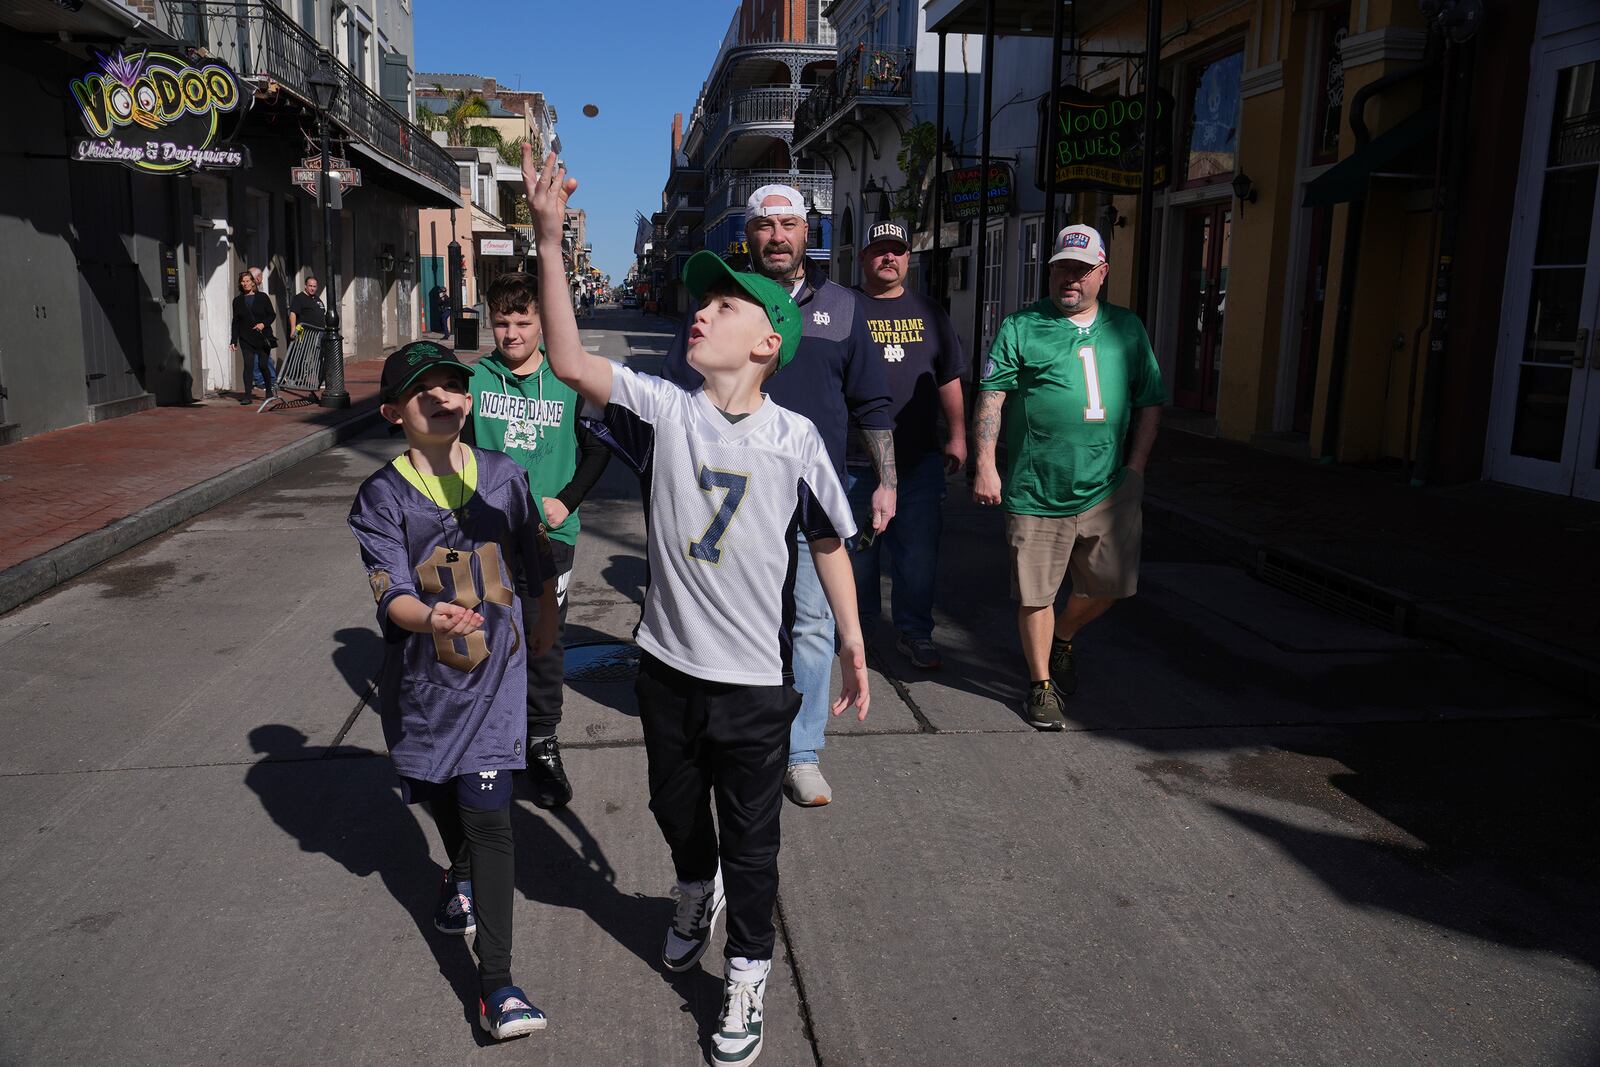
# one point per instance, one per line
(1547, 402)
(1207, 236)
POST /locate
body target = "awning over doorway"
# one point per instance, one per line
(1348, 179)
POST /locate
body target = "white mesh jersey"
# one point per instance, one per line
(721, 500)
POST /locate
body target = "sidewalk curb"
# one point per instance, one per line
(24, 581)
(1563, 670)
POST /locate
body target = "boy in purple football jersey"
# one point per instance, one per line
(450, 539)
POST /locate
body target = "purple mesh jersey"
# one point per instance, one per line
(452, 707)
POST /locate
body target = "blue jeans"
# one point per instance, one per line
(812, 641)
(911, 542)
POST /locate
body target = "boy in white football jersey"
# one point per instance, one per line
(726, 474)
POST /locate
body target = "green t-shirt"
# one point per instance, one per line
(1071, 392)
(534, 420)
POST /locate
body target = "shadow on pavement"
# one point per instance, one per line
(1481, 828)
(358, 654)
(358, 820)
(550, 871)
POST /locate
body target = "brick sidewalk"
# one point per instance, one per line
(60, 485)
(1512, 559)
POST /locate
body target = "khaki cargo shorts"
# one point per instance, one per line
(1099, 548)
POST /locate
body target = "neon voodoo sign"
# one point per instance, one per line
(159, 112)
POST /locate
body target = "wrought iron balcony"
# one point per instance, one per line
(260, 41)
(767, 105)
(875, 75)
(730, 190)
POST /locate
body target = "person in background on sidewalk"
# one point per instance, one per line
(450, 540)
(306, 308)
(521, 408)
(924, 364)
(1068, 373)
(252, 337)
(835, 378)
(724, 472)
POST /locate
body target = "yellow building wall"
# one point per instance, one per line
(1391, 296)
(1388, 300)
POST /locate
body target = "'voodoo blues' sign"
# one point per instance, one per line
(1097, 142)
(160, 113)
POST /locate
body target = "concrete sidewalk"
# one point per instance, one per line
(1506, 574)
(74, 498)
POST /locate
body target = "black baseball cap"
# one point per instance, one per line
(408, 364)
(888, 231)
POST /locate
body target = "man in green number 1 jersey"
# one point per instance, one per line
(521, 408)
(1067, 375)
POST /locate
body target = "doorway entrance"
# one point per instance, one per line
(1207, 237)
(1311, 306)
(214, 288)
(1546, 431)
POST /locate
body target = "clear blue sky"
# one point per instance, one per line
(637, 62)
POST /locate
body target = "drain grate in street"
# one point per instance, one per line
(1325, 589)
(602, 661)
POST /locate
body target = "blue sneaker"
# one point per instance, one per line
(506, 1013)
(453, 914)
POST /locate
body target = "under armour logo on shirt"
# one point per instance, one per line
(821, 318)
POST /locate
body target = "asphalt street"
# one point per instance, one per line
(1270, 835)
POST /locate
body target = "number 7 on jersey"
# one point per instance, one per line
(733, 485)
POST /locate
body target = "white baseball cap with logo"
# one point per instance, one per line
(1081, 243)
(793, 202)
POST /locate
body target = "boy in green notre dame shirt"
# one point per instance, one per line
(1069, 374)
(522, 409)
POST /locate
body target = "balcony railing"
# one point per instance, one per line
(732, 189)
(259, 40)
(866, 73)
(772, 105)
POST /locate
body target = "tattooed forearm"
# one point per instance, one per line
(986, 421)
(880, 446)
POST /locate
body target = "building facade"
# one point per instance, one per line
(1345, 251)
(740, 137)
(156, 165)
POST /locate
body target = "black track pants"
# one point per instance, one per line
(732, 741)
(546, 672)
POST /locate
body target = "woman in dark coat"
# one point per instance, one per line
(253, 317)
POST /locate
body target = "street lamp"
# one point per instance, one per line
(324, 89)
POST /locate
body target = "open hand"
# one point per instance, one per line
(883, 505)
(853, 674)
(548, 188)
(453, 620)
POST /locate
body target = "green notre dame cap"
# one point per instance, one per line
(405, 365)
(706, 271)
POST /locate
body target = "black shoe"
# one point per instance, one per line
(1063, 667)
(551, 789)
(245, 401)
(1042, 707)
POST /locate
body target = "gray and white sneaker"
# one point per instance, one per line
(804, 785)
(738, 1036)
(699, 904)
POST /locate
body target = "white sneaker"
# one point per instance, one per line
(804, 785)
(738, 1036)
(699, 904)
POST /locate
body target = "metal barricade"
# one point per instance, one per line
(302, 367)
